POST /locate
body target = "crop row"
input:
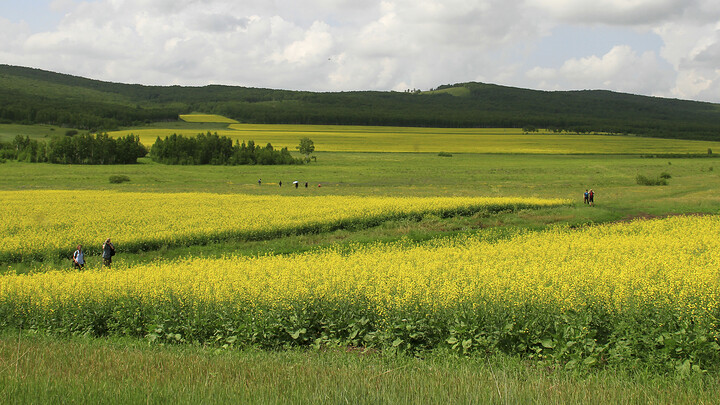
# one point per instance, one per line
(38, 224)
(642, 293)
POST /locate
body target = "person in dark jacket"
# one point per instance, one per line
(108, 251)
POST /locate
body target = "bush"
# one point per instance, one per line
(445, 154)
(665, 175)
(119, 178)
(647, 181)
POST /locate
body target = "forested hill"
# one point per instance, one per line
(36, 96)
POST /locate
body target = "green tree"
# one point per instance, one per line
(306, 147)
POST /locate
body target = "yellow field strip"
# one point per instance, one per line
(434, 140)
(37, 222)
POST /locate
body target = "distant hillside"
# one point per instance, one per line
(36, 96)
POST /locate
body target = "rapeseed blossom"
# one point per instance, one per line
(670, 263)
(648, 289)
(34, 223)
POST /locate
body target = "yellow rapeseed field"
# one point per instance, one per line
(669, 263)
(36, 222)
(328, 138)
(613, 293)
(211, 118)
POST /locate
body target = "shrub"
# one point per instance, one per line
(648, 181)
(665, 175)
(445, 154)
(119, 178)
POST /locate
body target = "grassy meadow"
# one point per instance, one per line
(42, 369)
(530, 252)
(8, 132)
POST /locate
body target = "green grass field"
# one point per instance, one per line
(8, 132)
(40, 369)
(36, 368)
(406, 174)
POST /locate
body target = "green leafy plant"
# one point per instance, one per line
(649, 181)
(119, 178)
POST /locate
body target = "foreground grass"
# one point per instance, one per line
(41, 369)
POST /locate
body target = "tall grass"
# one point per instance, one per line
(39, 369)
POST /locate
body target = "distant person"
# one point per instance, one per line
(259, 182)
(79, 258)
(587, 197)
(108, 251)
(296, 183)
(280, 183)
(591, 197)
(306, 184)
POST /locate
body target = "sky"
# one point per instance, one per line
(664, 48)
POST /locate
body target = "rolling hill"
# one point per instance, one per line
(32, 96)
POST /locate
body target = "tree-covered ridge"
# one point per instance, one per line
(37, 96)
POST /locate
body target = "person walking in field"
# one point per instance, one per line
(280, 183)
(78, 258)
(587, 196)
(591, 197)
(108, 251)
(259, 182)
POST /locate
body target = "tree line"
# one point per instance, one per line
(98, 149)
(102, 149)
(211, 149)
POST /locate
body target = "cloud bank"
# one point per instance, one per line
(336, 45)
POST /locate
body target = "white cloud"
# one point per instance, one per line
(694, 51)
(329, 45)
(621, 69)
(615, 12)
(312, 48)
